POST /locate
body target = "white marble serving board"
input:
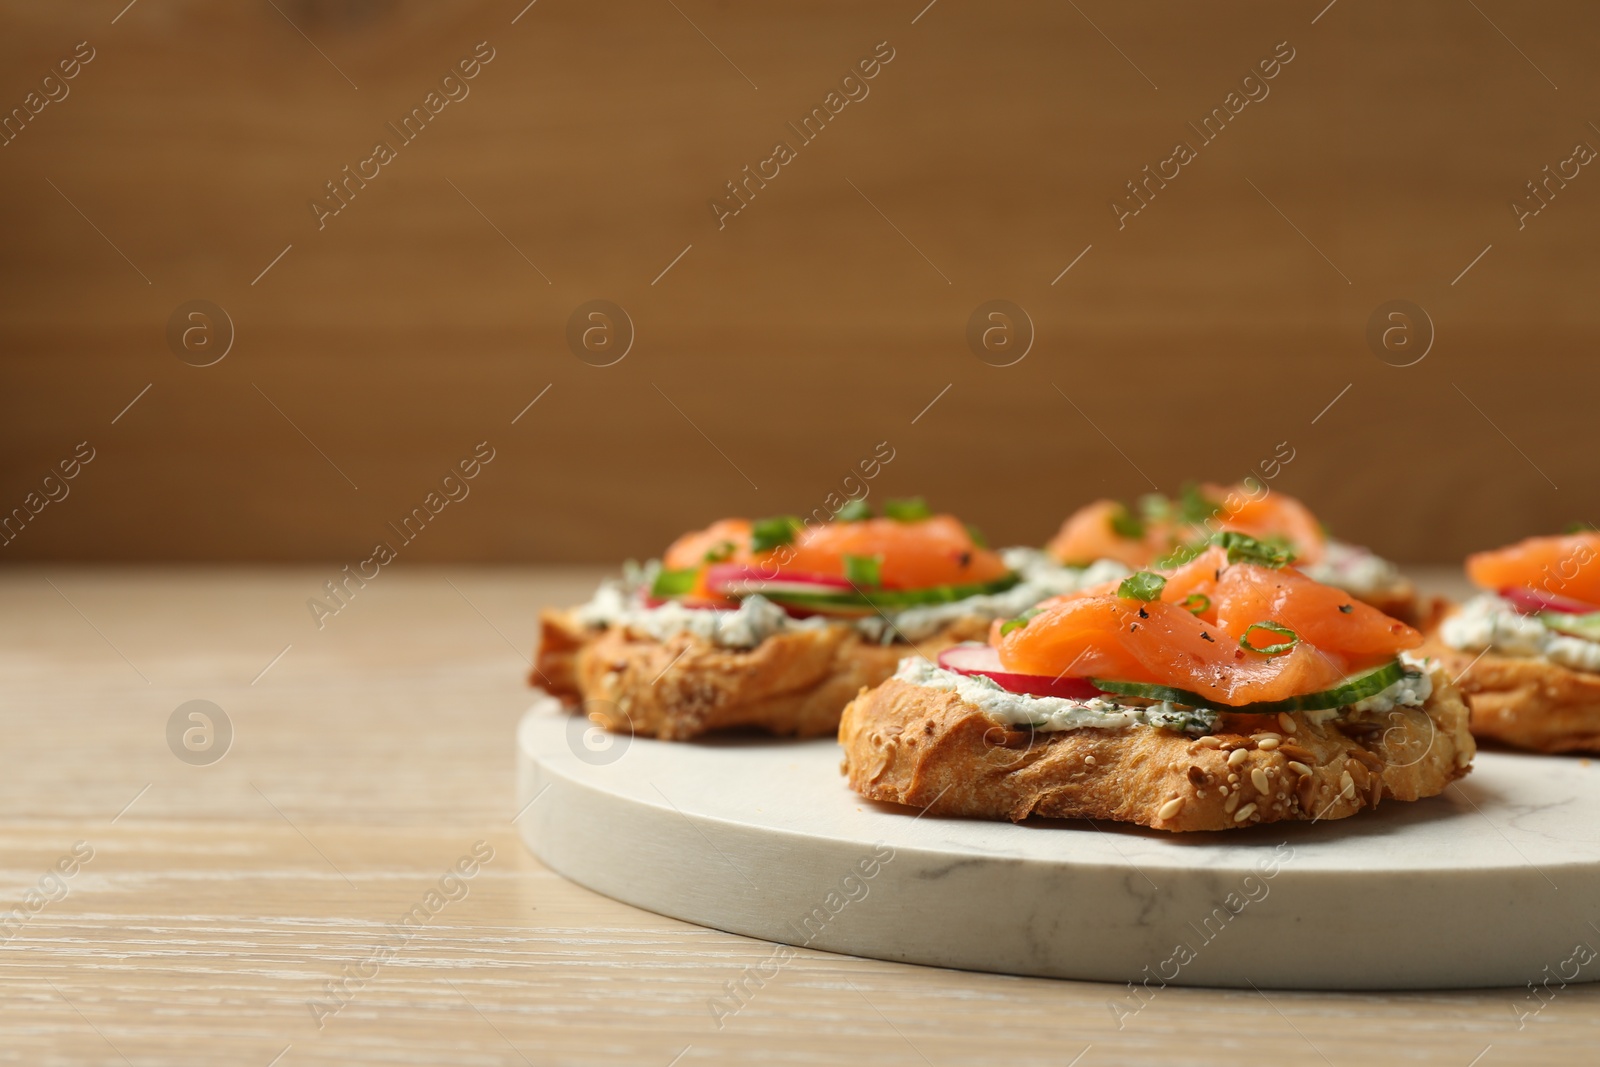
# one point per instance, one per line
(1495, 883)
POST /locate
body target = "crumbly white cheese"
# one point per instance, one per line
(1354, 569)
(1106, 713)
(617, 603)
(1491, 622)
(1048, 714)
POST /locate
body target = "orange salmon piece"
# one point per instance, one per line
(915, 555)
(691, 549)
(1329, 619)
(1567, 566)
(1105, 637)
(1088, 535)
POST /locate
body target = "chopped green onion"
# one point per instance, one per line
(1155, 507)
(1195, 507)
(854, 511)
(768, 534)
(1181, 554)
(977, 536)
(863, 570)
(912, 509)
(1125, 524)
(720, 552)
(669, 584)
(1142, 586)
(1292, 638)
(1195, 603)
(1019, 622)
(1242, 548)
(1578, 528)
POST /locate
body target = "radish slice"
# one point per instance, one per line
(984, 661)
(741, 579)
(1531, 601)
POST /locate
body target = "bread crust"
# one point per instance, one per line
(1526, 702)
(793, 683)
(927, 748)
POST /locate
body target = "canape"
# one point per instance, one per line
(776, 624)
(1528, 648)
(1229, 691)
(1161, 530)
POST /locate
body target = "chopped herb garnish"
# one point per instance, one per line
(1155, 507)
(720, 552)
(1181, 554)
(1195, 507)
(912, 509)
(863, 570)
(1195, 603)
(854, 511)
(767, 534)
(977, 536)
(1242, 548)
(1019, 622)
(1347, 608)
(669, 584)
(1142, 586)
(1125, 524)
(1290, 638)
(1579, 527)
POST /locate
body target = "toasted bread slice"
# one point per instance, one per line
(927, 748)
(794, 683)
(1525, 701)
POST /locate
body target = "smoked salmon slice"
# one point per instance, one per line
(1107, 529)
(1250, 633)
(921, 553)
(1564, 566)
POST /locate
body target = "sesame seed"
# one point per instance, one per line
(1267, 744)
(1089, 760)
(1258, 778)
(1347, 784)
(1299, 768)
(1210, 741)
(1233, 802)
(1238, 756)
(1170, 808)
(1286, 722)
(1245, 812)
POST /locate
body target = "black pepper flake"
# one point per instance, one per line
(1207, 637)
(1217, 577)
(1143, 614)
(1347, 608)
(966, 559)
(1134, 628)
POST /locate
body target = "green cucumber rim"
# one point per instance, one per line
(1351, 691)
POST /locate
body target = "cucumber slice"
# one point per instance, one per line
(1351, 691)
(1584, 626)
(669, 584)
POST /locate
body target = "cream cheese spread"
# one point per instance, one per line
(618, 602)
(1491, 622)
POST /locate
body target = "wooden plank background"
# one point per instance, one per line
(780, 348)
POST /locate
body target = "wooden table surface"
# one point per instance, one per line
(222, 900)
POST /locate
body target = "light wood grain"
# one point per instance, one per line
(370, 758)
(1208, 330)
